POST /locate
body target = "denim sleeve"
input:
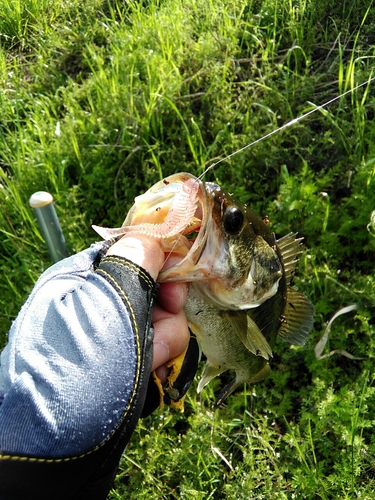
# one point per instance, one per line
(73, 375)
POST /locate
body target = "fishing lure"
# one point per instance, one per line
(179, 216)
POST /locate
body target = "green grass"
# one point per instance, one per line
(100, 99)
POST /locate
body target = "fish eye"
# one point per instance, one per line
(233, 220)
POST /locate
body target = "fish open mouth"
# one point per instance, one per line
(183, 249)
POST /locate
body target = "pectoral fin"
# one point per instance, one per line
(298, 318)
(249, 333)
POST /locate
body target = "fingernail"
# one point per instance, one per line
(161, 354)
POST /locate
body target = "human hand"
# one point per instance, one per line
(170, 325)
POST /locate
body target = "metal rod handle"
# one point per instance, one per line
(42, 203)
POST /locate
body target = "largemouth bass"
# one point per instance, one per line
(240, 297)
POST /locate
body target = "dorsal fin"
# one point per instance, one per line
(298, 318)
(290, 248)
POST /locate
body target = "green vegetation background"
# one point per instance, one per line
(100, 99)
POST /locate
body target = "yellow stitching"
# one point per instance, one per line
(134, 267)
(137, 269)
(48, 460)
(121, 292)
(68, 459)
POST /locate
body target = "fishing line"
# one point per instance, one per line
(279, 129)
(288, 124)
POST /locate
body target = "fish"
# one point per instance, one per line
(240, 297)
